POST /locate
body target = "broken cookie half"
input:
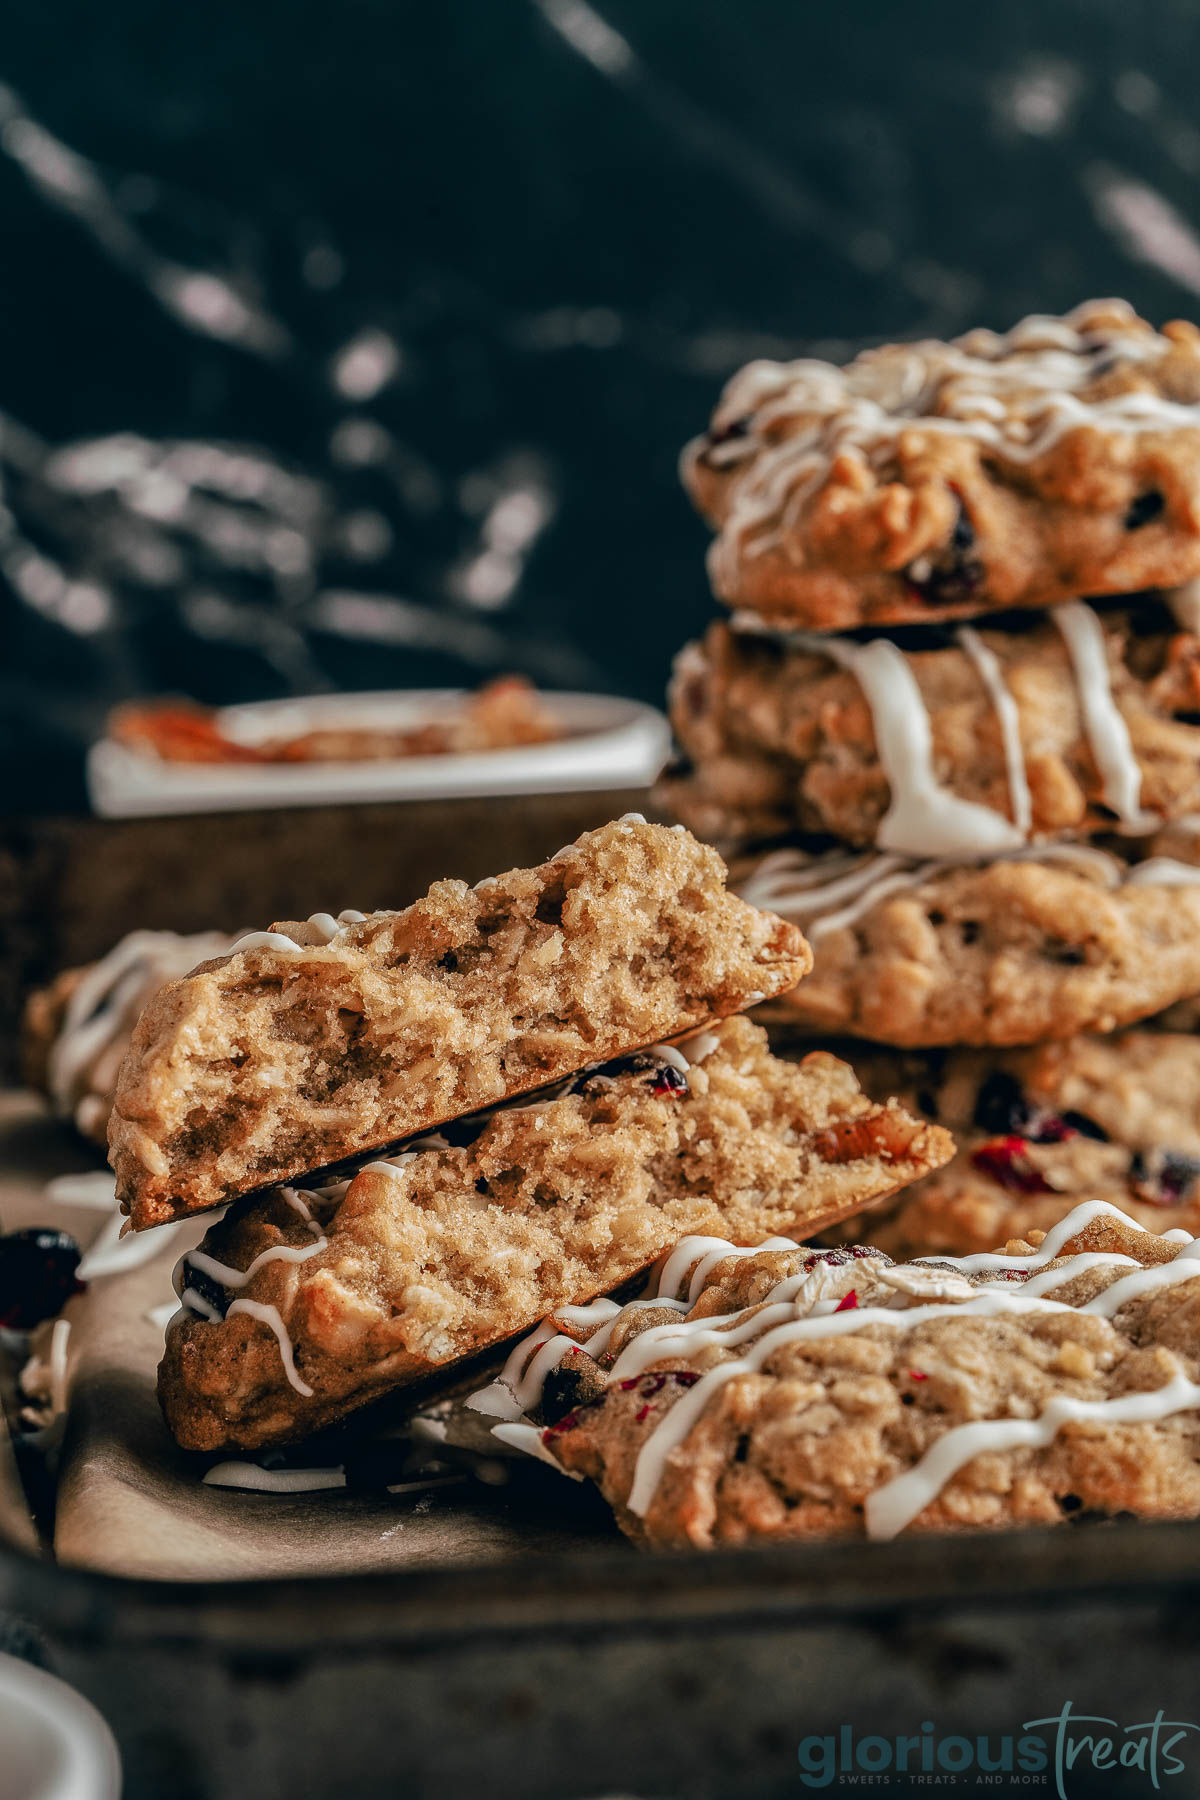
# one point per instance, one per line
(300, 1306)
(313, 1043)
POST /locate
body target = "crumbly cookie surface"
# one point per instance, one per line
(75, 1032)
(780, 739)
(929, 480)
(800, 1394)
(1015, 951)
(306, 1046)
(1112, 1118)
(414, 1266)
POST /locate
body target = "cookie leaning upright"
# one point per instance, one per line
(307, 1044)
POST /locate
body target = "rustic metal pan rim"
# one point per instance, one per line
(559, 1593)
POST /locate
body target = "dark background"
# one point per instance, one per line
(354, 345)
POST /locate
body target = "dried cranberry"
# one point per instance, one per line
(571, 1385)
(841, 1255)
(1162, 1177)
(37, 1275)
(847, 1303)
(1006, 1161)
(1080, 1123)
(206, 1288)
(655, 1383)
(951, 575)
(664, 1077)
(1145, 508)
(1003, 1107)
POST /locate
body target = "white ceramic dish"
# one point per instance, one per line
(610, 744)
(53, 1743)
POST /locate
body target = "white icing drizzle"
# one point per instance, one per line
(1107, 732)
(109, 996)
(701, 1255)
(923, 817)
(269, 1315)
(230, 1277)
(1163, 871)
(890, 1508)
(811, 891)
(295, 1199)
(784, 883)
(990, 672)
(192, 1302)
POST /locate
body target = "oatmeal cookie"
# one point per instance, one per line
(786, 1393)
(1112, 1118)
(1042, 944)
(302, 1306)
(932, 481)
(312, 1043)
(75, 1032)
(1051, 731)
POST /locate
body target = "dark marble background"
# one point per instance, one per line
(353, 345)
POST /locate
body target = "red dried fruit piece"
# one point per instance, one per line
(1006, 1161)
(655, 1382)
(917, 1375)
(847, 1303)
(37, 1276)
(1162, 1177)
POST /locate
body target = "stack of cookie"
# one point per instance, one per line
(438, 1125)
(973, 789)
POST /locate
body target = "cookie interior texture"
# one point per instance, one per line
(1100, 1118)
(783, 740)
(284, 1058)
(936, 480)
(799, 1444)
(551, 1203)
(1007, 952)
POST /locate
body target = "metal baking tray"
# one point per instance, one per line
(574, 1667)
(559, 1676)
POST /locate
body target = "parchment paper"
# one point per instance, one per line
(131, 1503)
